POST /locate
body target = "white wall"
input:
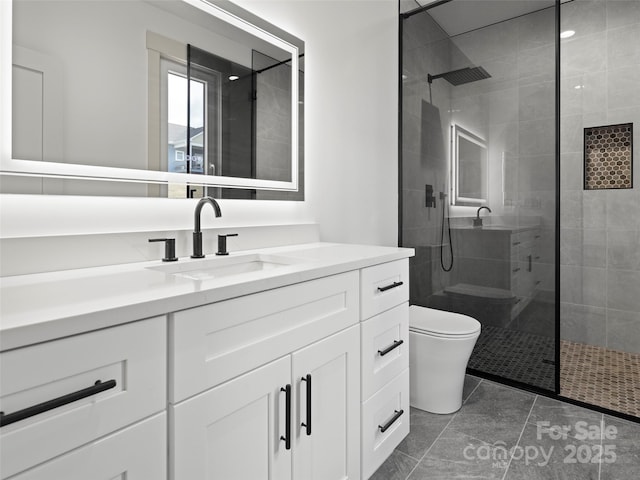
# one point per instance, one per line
(351, 137)
(351, 106)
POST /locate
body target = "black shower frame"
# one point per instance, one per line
(555, 394)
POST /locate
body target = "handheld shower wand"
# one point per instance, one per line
(443, 197)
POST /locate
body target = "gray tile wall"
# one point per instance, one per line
(600, 234)
(425, 128)
(514, 111)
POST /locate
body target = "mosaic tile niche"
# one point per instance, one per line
(608, 157)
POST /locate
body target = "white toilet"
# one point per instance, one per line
(440, 344)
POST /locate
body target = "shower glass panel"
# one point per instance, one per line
(486, 68)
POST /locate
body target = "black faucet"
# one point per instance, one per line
(197, 233)
(477, 222)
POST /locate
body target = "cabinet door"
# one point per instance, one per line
(331, 449)
(232, 432)
(135, 453)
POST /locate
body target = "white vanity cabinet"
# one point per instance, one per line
(249, 372)
(61, 398)
(384, 292)
(303, 376)
(134, 453)
(498, 258)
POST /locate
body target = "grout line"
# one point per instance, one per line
(472, 391)
(442, 431)
(431, 446)
(526, 422)
(601, 446)
(406, 455)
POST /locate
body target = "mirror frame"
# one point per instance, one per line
(223, 10)
(458, 132)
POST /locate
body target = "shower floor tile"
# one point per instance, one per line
(521, 356)
(600, 376)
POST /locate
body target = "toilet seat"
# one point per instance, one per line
(450, 326)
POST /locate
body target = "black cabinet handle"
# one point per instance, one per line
(394, 345)
(530, 268)
(307, 423)
(516, 270)
(98, 387)
(287, 420)
(516, 243)
(389, 287)
(396, 416)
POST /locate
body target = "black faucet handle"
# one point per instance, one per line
(222, 243)
(169, 248)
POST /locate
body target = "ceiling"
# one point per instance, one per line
(459, 16)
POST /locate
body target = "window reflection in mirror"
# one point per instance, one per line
(469, 168)
(104, 111)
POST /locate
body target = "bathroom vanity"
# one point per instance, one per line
(283, 363)
(500, 257)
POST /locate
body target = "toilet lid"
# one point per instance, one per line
(440, 322)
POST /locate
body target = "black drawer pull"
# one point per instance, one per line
(287, 417)
(396, 416)
(394, 345)
(516, 270)
(98, 387)
(307, 423)
(516, 243)
(389, 287)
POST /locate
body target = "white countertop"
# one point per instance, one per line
(40, 307)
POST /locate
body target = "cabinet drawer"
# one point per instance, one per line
(385, 348)
(525, 237)
(217, 342)
(379, 411)
(135, 453)
(132, 356)
(383, 287)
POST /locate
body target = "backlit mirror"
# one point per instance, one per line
(169, 98)
(468, 168)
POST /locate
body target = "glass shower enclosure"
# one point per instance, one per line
(478, 174)
(518, 191)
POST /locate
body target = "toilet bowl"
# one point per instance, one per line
(440, 345)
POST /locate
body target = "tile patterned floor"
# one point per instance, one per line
(508, 434)
(599, 376)
(522, 356)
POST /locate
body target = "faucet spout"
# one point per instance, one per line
(477, 222)
(478, 212)
(197, 230)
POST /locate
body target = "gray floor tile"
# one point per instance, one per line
(470, 383)
(397, 467)
(456, 455)
(548, 413)
(496, 422)
(624, 443)
(494, 413)
(425, 428)
(544, 454)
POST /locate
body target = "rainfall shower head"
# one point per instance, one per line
(461, 76)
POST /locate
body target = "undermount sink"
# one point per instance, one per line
(220, 267)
